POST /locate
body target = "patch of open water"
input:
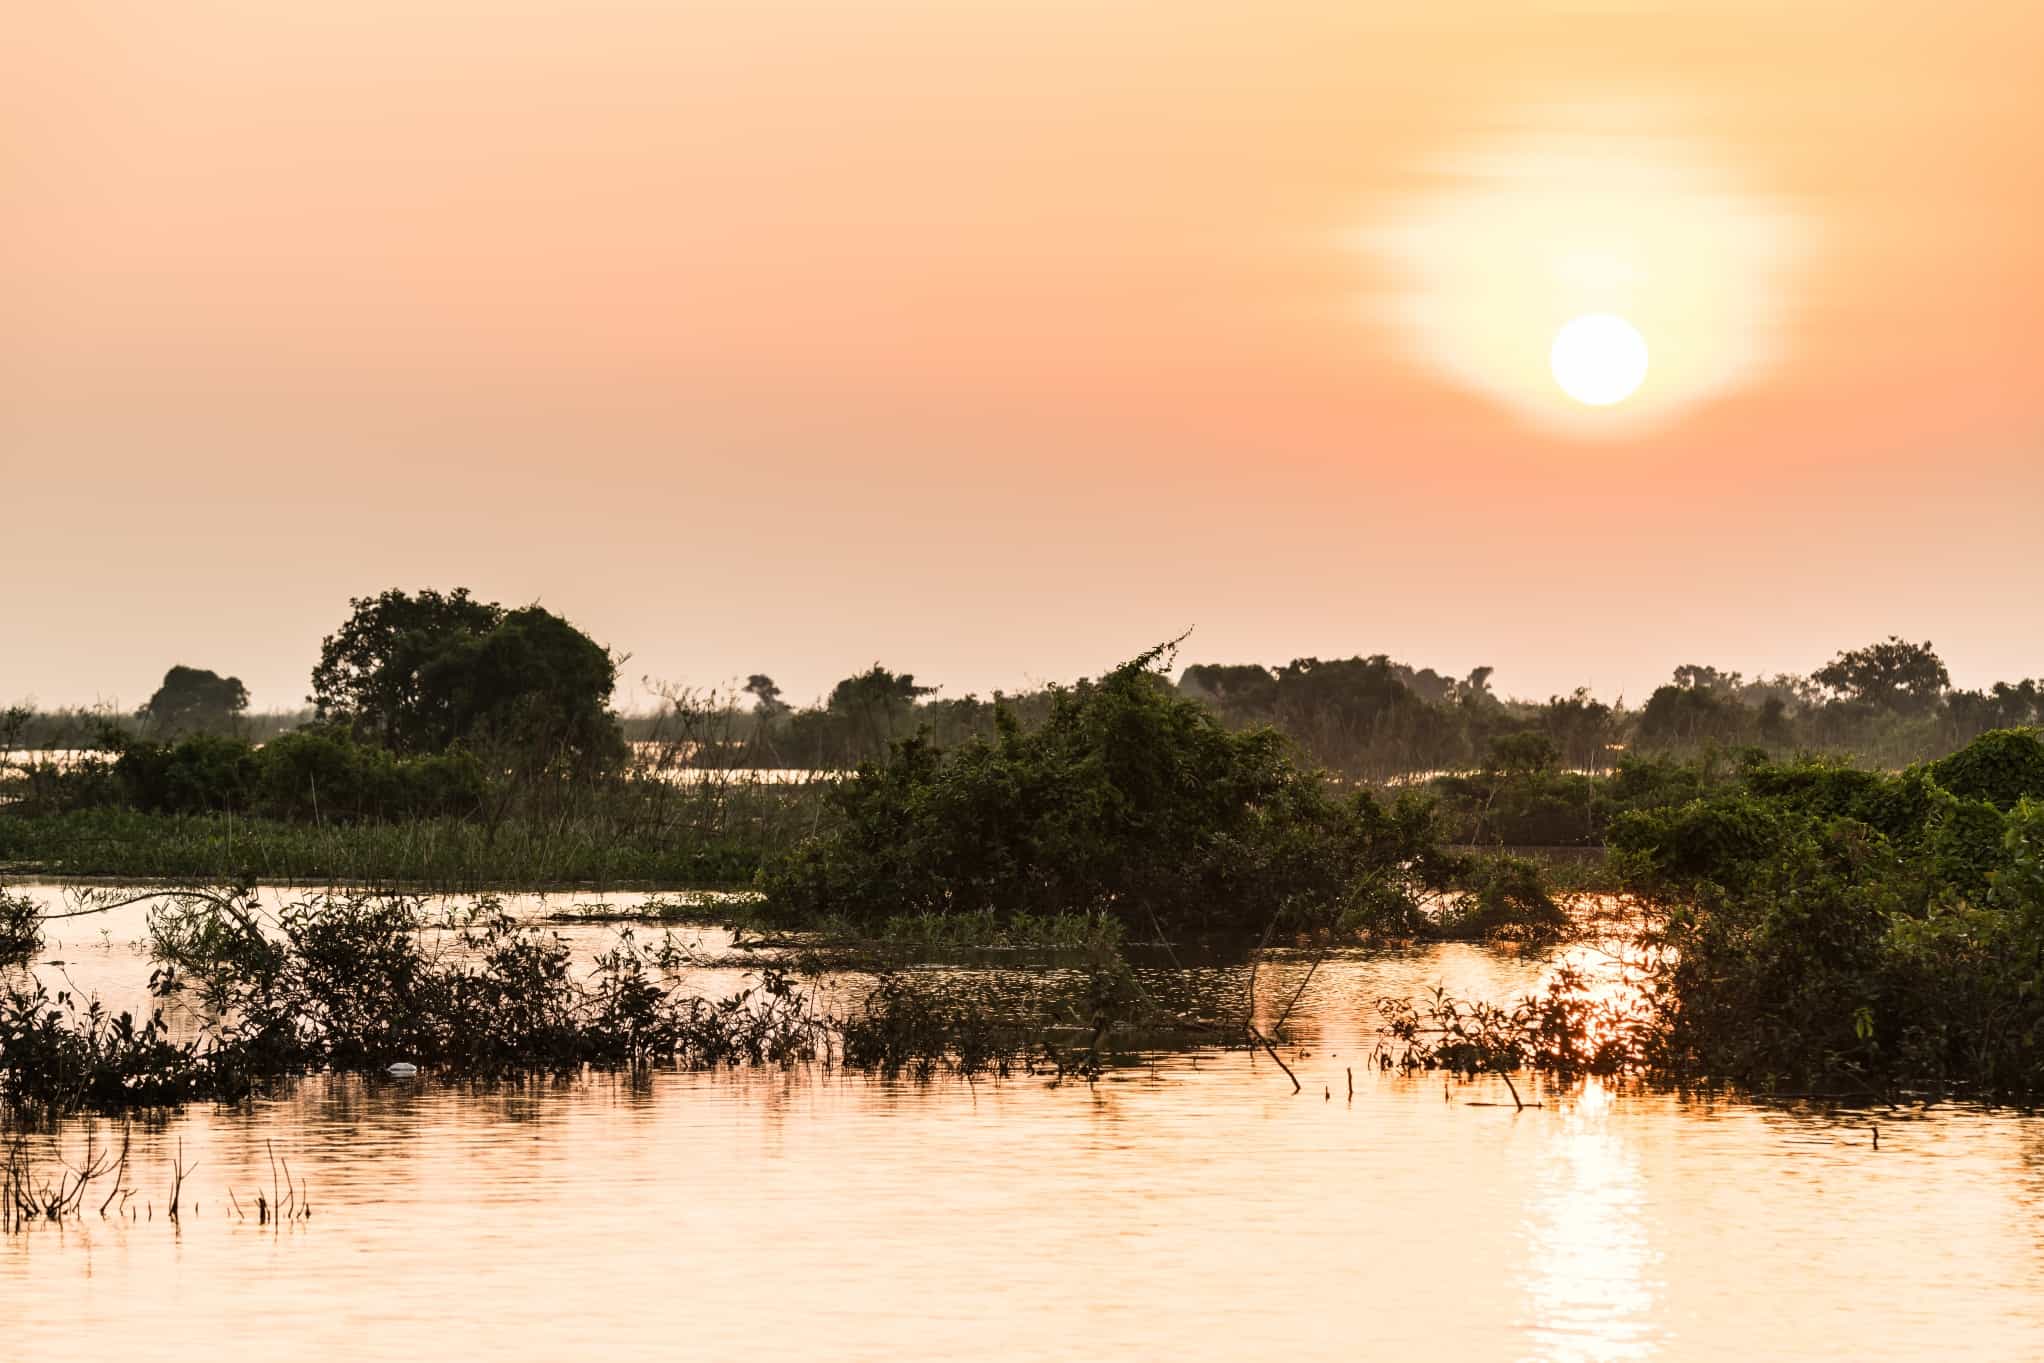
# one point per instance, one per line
(1191, 1207)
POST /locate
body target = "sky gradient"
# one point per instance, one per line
(997, 341)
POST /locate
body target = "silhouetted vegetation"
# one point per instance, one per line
(193, 698)
(1831, 924)
(652, 837)
(1132, 801)
(420, 674)
(362, 982)
(466, 744)
(1372, 719)
(1809, 925)
(457, 743)
(351, 983)
(21, 934)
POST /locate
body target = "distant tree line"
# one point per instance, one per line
(1374, 719)
(528, 696)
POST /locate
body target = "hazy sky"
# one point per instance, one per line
(996, 341)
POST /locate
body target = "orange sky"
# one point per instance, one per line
(999, 340)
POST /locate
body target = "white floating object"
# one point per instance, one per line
(403, 1069)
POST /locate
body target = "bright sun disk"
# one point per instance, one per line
(1599, 358)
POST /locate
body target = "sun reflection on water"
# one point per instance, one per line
(1592, 1290)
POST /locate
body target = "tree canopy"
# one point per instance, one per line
(421, 673)
(1893, 675)
(195, 698)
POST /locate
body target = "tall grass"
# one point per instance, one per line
(637, 832)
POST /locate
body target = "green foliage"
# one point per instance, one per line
(878, 704)
(355, 982)
(906, 1026)
(1125, 799)
(320, 774)
(631, 840)
(358, 982)
(56, 1057)
(2001, 767)
(1571, 1028)
(418, 674)
(310, 774)
(1682, 716)
(533, 688)
(1656, 782)
(1352, 711)
(1844, 927)
(1527, 753)
(1892, 675)
(2005, 705)
(1724, 841)
(1372, 718)
(1241, 692)
(371, 670)
(1522, 809)
(1503, 899)
(205, 772)
(21, 930)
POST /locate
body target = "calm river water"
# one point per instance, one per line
(1190, 1208)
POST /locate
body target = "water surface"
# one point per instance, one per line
(1192, 1207)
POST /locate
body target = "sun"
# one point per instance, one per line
(1611, 221)
(1598, 359)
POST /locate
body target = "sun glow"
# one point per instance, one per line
(1534, 267)
(1598, 359)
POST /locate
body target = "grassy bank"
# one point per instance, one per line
(433, 854)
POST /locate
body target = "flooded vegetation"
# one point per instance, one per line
(1117, 913)
(1607, 1218)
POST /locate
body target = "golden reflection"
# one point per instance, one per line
(1591, 1282)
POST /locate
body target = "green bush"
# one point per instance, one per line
(1505, 900)
(1851, 928)
(1525, 808)
(2001, 767)
(311, 774)
(205, 772)
(21, 929)
(1126, 799)
(1726, 841)
(314, 774)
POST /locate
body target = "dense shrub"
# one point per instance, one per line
(1853, 928)
(315, 774)
(205, 772)
(2001, 767)
(1124, 799)
(1521, 797)
(361, 982)
(21, 932)
(1523, 809)
(358, 983)
(308, 774)
(1505, 900)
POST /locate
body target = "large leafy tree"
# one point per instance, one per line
(195, 698)
(1240, 691)
(372, 671)
(878, 703)
(419, 673)
(1894, 675)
